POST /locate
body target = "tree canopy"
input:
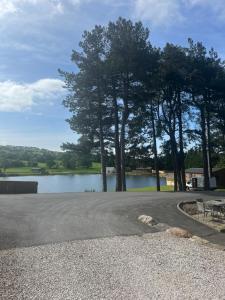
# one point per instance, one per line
(134, 101)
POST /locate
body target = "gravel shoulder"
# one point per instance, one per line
(154, 266)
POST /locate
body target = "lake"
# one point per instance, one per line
(81, 183)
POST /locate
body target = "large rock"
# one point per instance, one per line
(148, 220)
(179, 232)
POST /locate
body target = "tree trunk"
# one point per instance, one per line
(155, 150)
(102, 144)
(103, 162)
(209, 142)
(177, 177)
(204, 149)
(123, 129)
(175, 155)
(171, 124)
(122, 147)
(181, 145)
(117, 145)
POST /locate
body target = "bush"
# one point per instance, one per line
(33, 164)
(69, 161)
(50, 163)
(5, 164)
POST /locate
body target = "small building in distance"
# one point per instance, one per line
(110, 170)
(169, 177)
(218, 173)
(193, 172)
(36, 170)
(144, 170)
(40, 171)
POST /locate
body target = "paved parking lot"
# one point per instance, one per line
(28, 220)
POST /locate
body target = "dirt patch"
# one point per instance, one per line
(179, 232)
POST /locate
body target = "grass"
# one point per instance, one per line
(25, 171)
(163, 189)
(151, 189)
(20, 171)
(94, 169)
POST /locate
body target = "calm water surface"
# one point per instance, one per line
(81, 183)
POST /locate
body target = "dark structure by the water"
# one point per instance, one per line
(18, 187)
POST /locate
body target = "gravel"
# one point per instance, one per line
(154, 266)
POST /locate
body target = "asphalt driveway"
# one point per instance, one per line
(29, 220)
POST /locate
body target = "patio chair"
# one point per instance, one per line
(201, 207)
(223, 211)
(218, 211)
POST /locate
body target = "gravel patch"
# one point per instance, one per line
(155, 266)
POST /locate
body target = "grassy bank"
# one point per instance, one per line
(163, 189)
(151, 189)
(27, 171)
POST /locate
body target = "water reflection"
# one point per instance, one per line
(81, 183)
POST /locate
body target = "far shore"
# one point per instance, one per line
(48, 174)
(80, 172)
(95, 169)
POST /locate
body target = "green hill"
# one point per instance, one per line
(20, 160)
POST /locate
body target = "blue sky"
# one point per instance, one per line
(37, 38)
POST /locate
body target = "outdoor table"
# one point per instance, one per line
(219, 202)
(216, 205)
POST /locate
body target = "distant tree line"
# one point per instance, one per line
(20, 157)
(131, 98)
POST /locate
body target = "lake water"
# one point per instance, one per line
(81, 183)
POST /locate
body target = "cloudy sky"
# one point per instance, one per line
(37, 38)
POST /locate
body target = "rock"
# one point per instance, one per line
(199, 240)
(179, 232)
(148, 220)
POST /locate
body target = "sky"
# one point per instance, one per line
(37, 38)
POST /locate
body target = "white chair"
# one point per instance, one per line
(202, 209)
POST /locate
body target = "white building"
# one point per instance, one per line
(110, 170)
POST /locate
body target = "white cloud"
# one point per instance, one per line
(158, 12)
(12, 6)
(50, 6)
(7, 7)
(216, 6)
(165, 12)
(18, 97)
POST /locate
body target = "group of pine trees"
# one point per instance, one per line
(128, 95)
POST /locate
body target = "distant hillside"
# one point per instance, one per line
(19, 160)
(27, 154)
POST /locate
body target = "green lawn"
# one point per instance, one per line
(163, 189)
(21, 171)
(95, 169)
(151, 189)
